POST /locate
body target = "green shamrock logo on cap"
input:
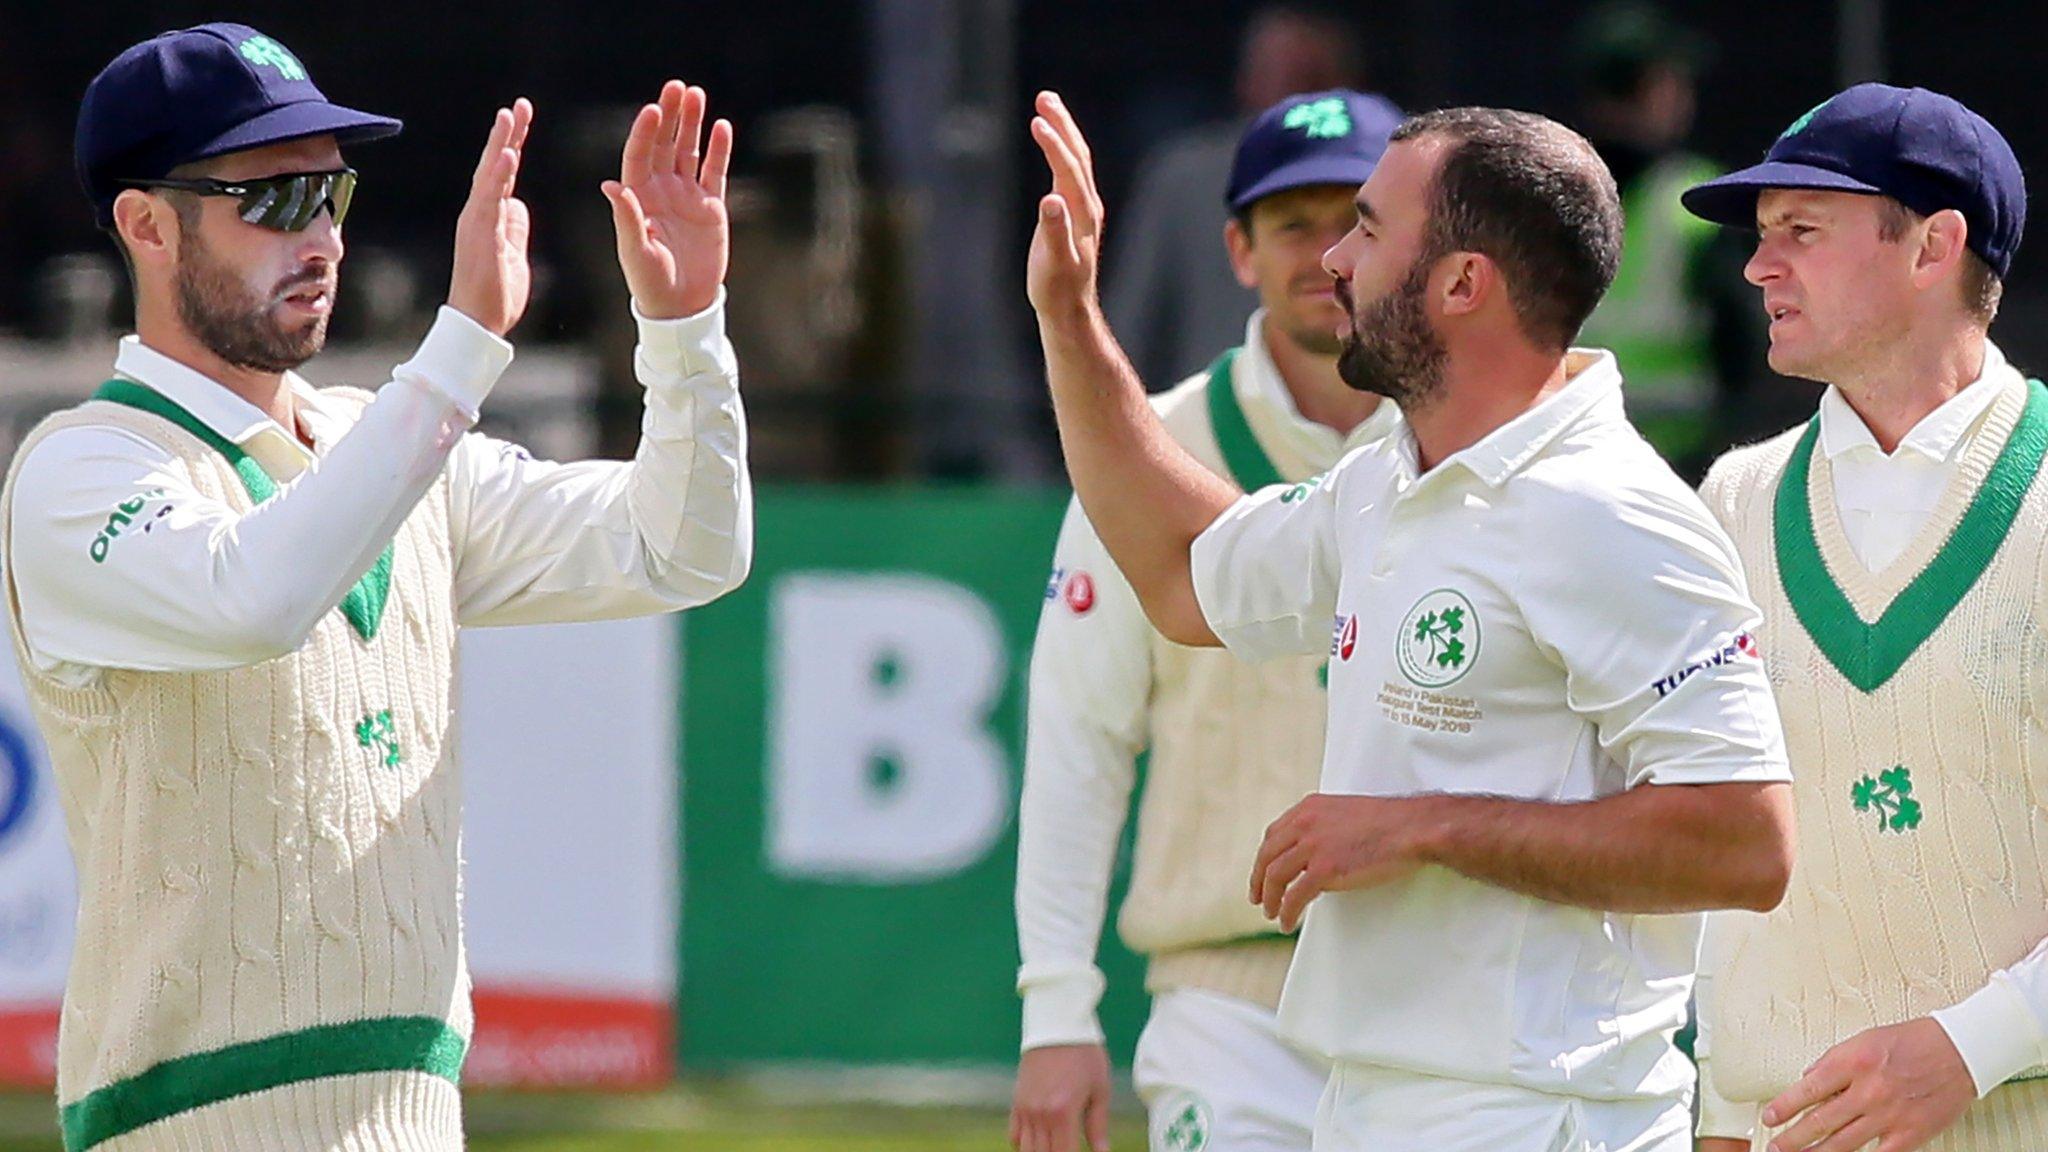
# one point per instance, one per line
(264, 52)
(1803, 121)
(1325, 119)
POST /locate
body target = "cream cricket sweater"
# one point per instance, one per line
(1234, 745)
(269, 945)
(1919, 746)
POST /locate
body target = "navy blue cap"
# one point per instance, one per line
(197, 93)
(1921, 148)
(1332, 137)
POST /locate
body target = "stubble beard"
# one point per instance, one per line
(1391, 350)
(232, 323)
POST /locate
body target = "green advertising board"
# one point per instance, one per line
(852, 749)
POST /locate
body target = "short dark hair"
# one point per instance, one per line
(1982, 289)
(1532, 196)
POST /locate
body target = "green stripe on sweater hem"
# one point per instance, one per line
(393, 1044)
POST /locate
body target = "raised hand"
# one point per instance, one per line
(1065, 248)
(492, 280)
(668, 206)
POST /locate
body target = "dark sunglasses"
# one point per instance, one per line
(282, 203)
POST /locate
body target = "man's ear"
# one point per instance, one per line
(1238, 243)
(1468, 280)
(1944, 238)
(147, 225)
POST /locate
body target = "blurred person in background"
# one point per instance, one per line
(236, 597)
(1233, 744)
(1679, 319)
(1171, 293)
(1898, 544)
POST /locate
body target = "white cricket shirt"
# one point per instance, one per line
(1548, 614)
(1091, 688)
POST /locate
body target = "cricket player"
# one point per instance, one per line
(1550, 740)
(1899, 997)
(235, 596)
(1233, 744)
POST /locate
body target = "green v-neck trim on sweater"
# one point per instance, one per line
(364, 602)
(1868, 654)
(1248, 463)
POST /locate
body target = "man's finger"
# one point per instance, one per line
(629, 220)
(717, 158)
(1055, 112)
(1280, 836)
(1059, 230)
(1065, 1126)
(1294, 905)
(636, 163)
(522, 119)
(1037, 1132)
(1096, 1121)
(1857, 1135)
(494, 180)
(671, 103)
(690, 133)
(1816, 1125)
(501, 131)
(1824, 1080)
(1278, 873)
(1066, 170)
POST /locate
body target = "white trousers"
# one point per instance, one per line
(1373, 1109)
(1214, 1074)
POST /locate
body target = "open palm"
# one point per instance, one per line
(668, 205)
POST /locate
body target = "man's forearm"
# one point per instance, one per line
(1147, 497)
(1653, 849)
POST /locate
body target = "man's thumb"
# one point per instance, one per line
(1096, 1121)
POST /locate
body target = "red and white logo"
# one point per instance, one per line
(1748, 646)
(1344, 637)
(1080, 593)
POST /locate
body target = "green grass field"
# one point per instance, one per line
(685, 1119)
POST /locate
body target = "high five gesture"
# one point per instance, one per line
(492, 279)
(1061, 273)
(668, 205)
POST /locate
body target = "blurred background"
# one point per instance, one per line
(746, 876)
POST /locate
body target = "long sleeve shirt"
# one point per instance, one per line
(190, 585)
(1884, 500)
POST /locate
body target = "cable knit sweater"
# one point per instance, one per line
(1915, 703)
(269, 947)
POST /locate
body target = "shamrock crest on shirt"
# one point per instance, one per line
(1439, 639)
(1890, 794)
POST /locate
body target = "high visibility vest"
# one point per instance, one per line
(1656, 329)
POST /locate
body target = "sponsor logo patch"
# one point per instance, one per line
(1741, 646)
(1080, 593)
(1344, 636)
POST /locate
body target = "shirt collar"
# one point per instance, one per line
(1592, 389)
(1937, 434)
(237, 420)
(1259, 387)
